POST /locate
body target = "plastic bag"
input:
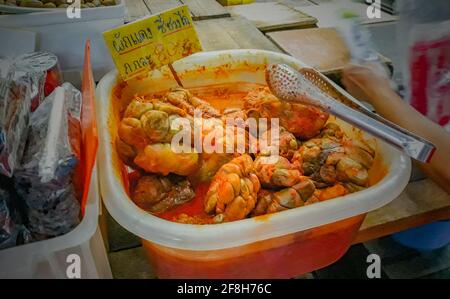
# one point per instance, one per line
(425, 27)
(45, 178)
(360, 44)
(12, 231)
(15, 102)
(44, 70)
(24, 82)
(8, 233)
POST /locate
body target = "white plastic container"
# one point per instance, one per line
(284, 244)
(49, 258)
(66, 37)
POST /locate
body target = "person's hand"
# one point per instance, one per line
(364, 82)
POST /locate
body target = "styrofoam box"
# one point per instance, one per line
(52, 258)
(67, 37)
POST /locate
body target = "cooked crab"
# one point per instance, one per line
(157, 194)
(144, 137)
(314, 160)
(334, 158)
(223, 137)
(233, 114)
(160, 158)
(279, 173)
(331, 192)
(286, 142)
(233, 191)
(208, 165)
(270, 201)
(153, 119)
(303, 121)
(183, 99)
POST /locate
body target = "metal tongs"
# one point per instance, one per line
(309, 87)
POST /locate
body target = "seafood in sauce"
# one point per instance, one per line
(316, 161)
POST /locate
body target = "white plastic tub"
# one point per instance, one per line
(284, 244)
(66, 37)
(49, 258)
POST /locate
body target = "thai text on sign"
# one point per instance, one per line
(152, 42)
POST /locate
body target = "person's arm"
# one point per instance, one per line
(365, 84)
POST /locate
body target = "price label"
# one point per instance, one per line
(152, 42)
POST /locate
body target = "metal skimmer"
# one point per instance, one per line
(309, 87)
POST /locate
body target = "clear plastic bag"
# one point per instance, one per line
(360, 44)
(44, 69)
(12, 231)
(24, 82)
(45, 178)
(15, 102)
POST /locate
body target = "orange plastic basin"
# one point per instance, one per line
(283, 257)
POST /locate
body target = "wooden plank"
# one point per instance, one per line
(270, 16)
(291, 3)
(157, 6)
(135, 9)
(232, 33)
(206, 9)
(200, 9)
(422, 202)
(321, 48)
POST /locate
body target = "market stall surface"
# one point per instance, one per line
(422, 201)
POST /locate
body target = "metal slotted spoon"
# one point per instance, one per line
(309, 87)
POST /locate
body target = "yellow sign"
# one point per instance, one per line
(152, 42)
(235, 2)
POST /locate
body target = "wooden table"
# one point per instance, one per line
(291, 3)
(232, 33)
(270, 16)
(422, 202)
(322, 48)
(215, 32)
(200, 9)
